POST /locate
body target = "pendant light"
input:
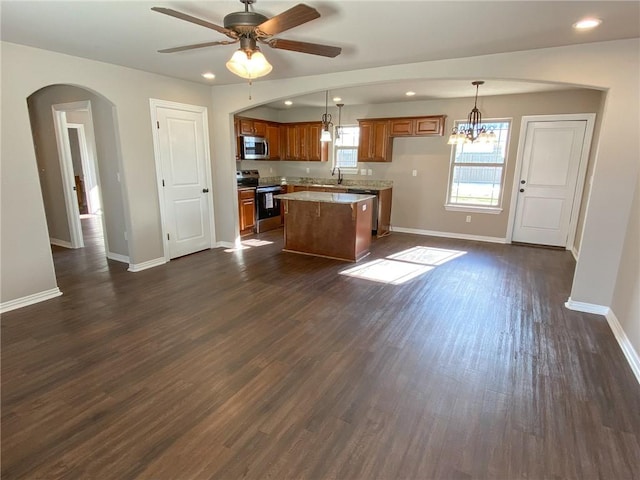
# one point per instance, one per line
(339, 127)
(475, 131)
(326, 121)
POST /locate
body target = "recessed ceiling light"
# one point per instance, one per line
(288, 102)
(587, 23)
(337, 99)
(410, 94)
(209, 75)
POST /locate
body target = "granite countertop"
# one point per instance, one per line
(327, 182)
(324, 197)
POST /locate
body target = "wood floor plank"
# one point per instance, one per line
(259, 364)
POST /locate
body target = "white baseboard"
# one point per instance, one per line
(575, 253)
(461, 236)
(225, 245)
(59, 243)
(138, 267)
(586, 307)
(29, 300)
(625, 344)
(117, 257)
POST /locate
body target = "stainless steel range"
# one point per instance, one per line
(267, 207)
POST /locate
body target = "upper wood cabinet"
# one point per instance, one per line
(249, 126)
(417, 126)
(273, 139)
(287, 141)
(375, 141)
(301, 141)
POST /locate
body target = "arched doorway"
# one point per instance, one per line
(65, 118)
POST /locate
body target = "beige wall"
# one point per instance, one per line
(108, 161)
(418, 202)
(27, 266)
(626, 299)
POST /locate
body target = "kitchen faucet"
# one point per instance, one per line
(333, 171)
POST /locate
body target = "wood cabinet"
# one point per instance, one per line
(247, 210)
(301, 142)
(290, 146)
(249, 126)
(287, 141)
(273, 139)
(384, 212)
(375, 141)
(417, 126)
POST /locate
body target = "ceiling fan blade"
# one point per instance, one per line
(288, 19)
(197, 21)
(195, 45)
(304, 47)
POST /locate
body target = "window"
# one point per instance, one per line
(476, 175)
(346, 148)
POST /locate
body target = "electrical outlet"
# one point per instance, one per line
(369, 172)
(363, 171)
(270, 170)
(414, 173)
(468, 219)
(307, 169)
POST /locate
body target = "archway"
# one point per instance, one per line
(52, 110)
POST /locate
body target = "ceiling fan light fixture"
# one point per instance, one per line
(247, 64)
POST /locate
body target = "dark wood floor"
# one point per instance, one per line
(262, 364)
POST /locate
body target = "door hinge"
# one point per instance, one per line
(158, 124)
(163, 182)
(168, 236)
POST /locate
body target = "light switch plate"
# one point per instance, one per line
(363, 171)
(369, 172)
(414, 173)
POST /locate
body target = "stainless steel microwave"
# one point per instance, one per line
(254, 148)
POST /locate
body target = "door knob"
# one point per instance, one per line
(521, 190)
(523, 182)
(205, 190)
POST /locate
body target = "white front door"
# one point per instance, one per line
(182, 148)
(547, 184)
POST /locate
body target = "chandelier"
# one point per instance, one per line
(474, 131)
(326, 121)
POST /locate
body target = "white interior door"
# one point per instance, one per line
(183, 145)
(548, 180)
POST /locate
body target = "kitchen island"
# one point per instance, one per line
(333, 225)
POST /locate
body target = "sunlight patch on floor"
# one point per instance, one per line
(247, 244)
(387, 271)
(403, 266)
(427, 255)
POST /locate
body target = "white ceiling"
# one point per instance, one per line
(371, 33)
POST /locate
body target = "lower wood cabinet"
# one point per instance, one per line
(247, 211)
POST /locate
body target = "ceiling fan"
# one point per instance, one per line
(250, 28)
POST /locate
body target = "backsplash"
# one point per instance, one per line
(284, 180)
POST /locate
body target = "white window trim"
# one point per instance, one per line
(459, 207)
(350, 170)
(472, 208)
